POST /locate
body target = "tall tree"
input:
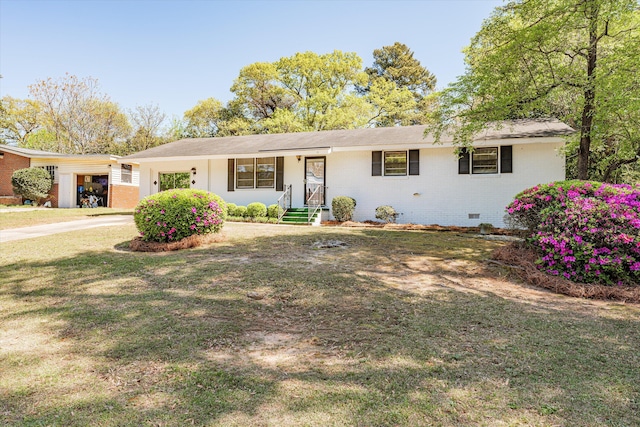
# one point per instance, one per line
(204, 119)
(323, 89)
(147, 132)
(82, 119)
(536, 58)
(395, 73)
(19, 119)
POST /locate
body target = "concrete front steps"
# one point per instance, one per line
(300, 216)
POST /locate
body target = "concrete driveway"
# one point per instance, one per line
(63, 227)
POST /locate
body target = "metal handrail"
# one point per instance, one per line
(314, 201)
(284, 202)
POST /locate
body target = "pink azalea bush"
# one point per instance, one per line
(175, 214)
(585, 231)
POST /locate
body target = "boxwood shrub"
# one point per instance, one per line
(256, 210)
(585, 231)
(175, 214)
(31, 183)
(240, 211)
(386, 213)
(273, 211)
(342, 208)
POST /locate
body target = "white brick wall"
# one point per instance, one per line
(439, 195)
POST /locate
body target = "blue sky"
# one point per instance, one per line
(174, 53)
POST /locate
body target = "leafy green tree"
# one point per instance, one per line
(31, 183)
(19, 119)
(399, 86)
(538, 58)
(204, 119)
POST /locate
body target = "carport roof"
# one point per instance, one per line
(389, 136)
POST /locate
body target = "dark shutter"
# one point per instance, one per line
(279, 173)
(463, 162)
(376, 163)
(506, 159)
(231, 166)
(414, 162)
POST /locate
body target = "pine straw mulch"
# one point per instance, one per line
(139, 245)
(415, 227)
(521, 260)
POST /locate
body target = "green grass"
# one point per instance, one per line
(28, 217)
(396, 328)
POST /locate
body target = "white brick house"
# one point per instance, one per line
(395, 166)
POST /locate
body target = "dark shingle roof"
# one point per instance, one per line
(390, 136)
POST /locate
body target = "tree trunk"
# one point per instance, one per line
(589, 94)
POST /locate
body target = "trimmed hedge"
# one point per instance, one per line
(175, 214)
(256, 210)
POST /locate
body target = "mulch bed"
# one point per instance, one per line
(417, 227)
(139, 245)
(522, 262)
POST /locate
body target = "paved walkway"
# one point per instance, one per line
(63, 227)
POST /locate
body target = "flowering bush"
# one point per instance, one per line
(175, 214)
(586, 231)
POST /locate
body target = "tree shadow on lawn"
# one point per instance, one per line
(272, 331)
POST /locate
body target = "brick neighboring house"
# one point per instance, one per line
(75, 177)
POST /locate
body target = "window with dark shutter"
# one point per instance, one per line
(464, 162)
(414, 162)
(376, 163)
(279, 173)
(506, 159)
(231, 167)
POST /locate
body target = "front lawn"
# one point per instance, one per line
(266, 328)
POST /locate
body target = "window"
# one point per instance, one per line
(395, 163)
(256, 173)
(262, 172)
(486, 160)
(244, 173)
(169, 181)
(51, 170)
(265, 172)
(125, 174)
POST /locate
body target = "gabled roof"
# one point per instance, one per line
(38, 154)
(340, 139)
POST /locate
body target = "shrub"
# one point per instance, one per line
(386, 213)
(585, 231)
(274, 211)
(240, 211)
(31, 183)
(256, 210)
(175, 214)
(231, 208)
(342, 208)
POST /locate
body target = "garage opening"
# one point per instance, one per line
(92, 191)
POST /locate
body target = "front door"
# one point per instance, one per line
(314, 168)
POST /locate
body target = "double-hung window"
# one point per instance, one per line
(395, 163)
(256, 173)
(486, 160)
